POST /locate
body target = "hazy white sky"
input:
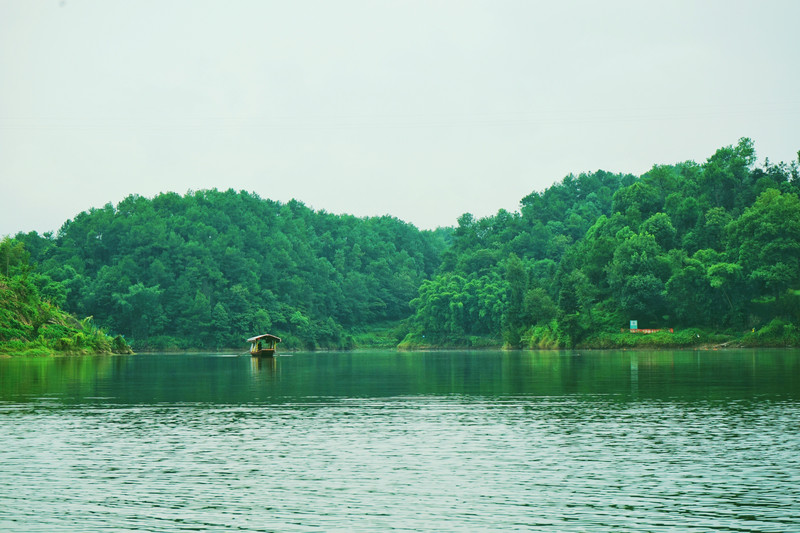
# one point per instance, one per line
(420, 109)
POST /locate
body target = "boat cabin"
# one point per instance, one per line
(263, 344)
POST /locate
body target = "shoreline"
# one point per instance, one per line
(686, 340)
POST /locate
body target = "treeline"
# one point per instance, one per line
(211, 268)
(708, 247)
(711, 247)
(31, 325)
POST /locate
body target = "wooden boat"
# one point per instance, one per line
(263, 345)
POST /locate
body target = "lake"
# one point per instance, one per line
(409, 441)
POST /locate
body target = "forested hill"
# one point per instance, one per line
(211, 268)
(32, 325)
(712, 246)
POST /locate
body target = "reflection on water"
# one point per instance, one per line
(267, 365)
(207, 378)
(469, 441)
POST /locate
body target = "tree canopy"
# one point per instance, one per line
(211, 268)
(713, 245)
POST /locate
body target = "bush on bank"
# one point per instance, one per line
(777, 333)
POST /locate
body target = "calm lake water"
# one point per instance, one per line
(420, 441)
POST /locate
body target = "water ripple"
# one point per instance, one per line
(408, 463)
(475, 441)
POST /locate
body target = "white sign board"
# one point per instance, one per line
(634, 324)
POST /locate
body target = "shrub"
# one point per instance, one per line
(777, 334)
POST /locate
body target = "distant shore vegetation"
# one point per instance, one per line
(709, 249)
(31, 324)
(211, 268)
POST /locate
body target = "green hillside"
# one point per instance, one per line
(32, 325)
(709, 249)
(208, 269)
(705, 248)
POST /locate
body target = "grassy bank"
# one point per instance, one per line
(472, 342)
(776, 334)
(393, 336)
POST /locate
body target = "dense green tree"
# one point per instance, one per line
(711, 245)
(13, 257)
(688, 291)
(637, 202)
(139, 311)
(726, 179)
(514, 320)
(539, 307)
(766, 242)
(194, 270)
(693, 245)
(660, 226)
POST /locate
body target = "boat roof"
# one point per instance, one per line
(264, 336)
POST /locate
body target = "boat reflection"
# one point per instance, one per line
(263, 364)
